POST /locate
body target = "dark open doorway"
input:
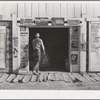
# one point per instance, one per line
(56, 42)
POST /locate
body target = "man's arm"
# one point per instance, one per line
(42, 47)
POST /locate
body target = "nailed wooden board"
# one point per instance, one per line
(66, 77)
(61, 78)
(98, 74)
(72, 76)
(18, 78)
(11, 77)
(89, 78)
(26, 78)
(41, 78)
(57, 76)
(4, 77)
(95, 76)
(1, 74)
(34, 78)
(45, 77)
(80, 77)
(51, 76)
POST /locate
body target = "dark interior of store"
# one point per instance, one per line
(56, 42)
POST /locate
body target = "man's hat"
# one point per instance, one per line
(37, 35)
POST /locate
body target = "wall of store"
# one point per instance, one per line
(66, 10)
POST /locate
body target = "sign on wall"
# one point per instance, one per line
(2, 46)
(74, 59)
(73, 22)
(94, 46)
(24, 56)
(57, 21)
(95, 36)
(26, 21)
(75, 39)
(41, 21)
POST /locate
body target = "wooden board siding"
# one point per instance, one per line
(42, 10)
(35, 8)
(21, 10)
(78, 10)
(71, 10)
(28, 10)
(50, 10)
(1, 8)
(65, 10)
(56, 10)
(90, 12)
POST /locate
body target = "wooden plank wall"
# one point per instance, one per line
(66, 10)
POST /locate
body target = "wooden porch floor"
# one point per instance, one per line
(50, 76)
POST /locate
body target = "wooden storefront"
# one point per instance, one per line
(14, 48)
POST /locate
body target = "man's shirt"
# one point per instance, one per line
(38, 44)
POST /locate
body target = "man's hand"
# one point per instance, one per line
(44, 54)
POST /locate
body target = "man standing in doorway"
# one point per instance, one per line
(38, 48)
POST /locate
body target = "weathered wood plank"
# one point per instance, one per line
(35, 10)
(28, 10)
(77, 10)
(71, 13)
(57, 76)
(90, 10)
(21, 10)
(11, 77)
(95, 76)
(50, 10)
(56, 10)
(89, 78)
(13, 8)
(84, 10)
(42, 9)
(64, 10)
(51, 77)
(66, 77)
(96, 10)
(18, 78)
(1, 8)
(41, 78)
(80, 77)
(72, 76)
(3, 78)
(26, 78)
(61, 78)
(45, 77)
(98, 74)
(1, 74)
(34, 78)
(6, 10)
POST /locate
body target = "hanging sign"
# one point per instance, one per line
(26, 21)
(41, 21)
(73, 22)
(57, 21)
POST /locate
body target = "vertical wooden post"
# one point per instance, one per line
(14, 42)
(83, 45)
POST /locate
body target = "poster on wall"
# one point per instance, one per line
(2, 46)
(95, 36)
(75, 39)
(74, 59)
(24, 56)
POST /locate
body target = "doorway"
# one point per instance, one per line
(56, 42)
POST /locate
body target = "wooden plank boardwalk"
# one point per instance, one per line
(50, 76)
